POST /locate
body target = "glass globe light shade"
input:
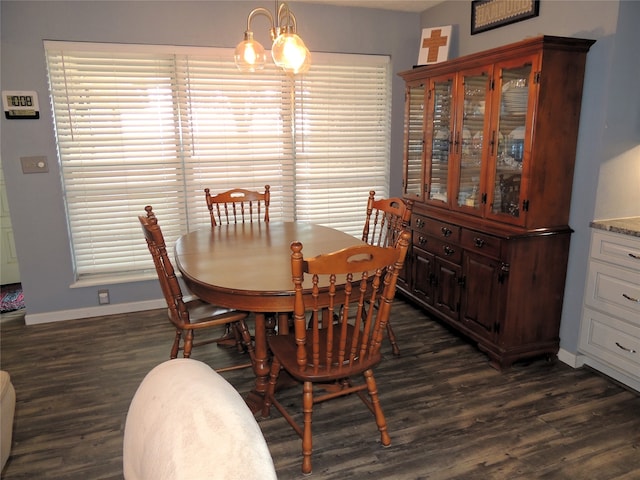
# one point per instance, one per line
(289, 52)
(304, 68)
(249, 54)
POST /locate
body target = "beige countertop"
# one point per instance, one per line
(626, 226)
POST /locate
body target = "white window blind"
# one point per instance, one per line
(155, 125)
(342, 121)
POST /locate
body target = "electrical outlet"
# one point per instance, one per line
(36, 164)
(103, 297)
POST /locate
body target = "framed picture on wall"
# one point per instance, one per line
(489, 14)
(434, 45)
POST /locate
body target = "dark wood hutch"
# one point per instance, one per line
(490, 142)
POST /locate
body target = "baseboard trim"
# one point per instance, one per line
(89, 312)
(571, 359)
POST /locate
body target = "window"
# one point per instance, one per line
(154, 125)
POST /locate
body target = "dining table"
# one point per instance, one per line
(247, 266)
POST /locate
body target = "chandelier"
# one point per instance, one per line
(288, 50)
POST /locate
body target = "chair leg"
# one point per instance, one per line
(230, 338)
(188, 344)
(392, 339)
(236, 328)
(176, 344)
(307, 442)
(243, 332)
(375, 401)
(271, 387)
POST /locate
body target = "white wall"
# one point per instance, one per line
(607, 173)
(36, 200)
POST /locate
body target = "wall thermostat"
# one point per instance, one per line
(20, 105)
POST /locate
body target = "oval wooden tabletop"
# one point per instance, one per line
(235, 265)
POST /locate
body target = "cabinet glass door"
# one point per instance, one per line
(510, 132)
(440, 132)
(414, 134)
(470, 135)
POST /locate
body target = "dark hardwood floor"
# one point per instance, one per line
(450, 415)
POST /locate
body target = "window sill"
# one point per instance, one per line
(113, 279)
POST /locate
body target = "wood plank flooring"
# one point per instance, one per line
(450, 415)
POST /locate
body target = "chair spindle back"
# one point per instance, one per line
(386, 219)
(353, 333)
(171, 290)
(238, 206)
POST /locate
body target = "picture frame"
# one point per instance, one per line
(490, 14)
(434, 45)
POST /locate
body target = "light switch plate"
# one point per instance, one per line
(36, 164)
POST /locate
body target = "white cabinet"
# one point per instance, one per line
(610, 327)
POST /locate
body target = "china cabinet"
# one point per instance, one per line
(610, 328)
(490, 143)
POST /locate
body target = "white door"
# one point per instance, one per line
(9, 272)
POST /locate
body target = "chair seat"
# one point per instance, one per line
(284, 347)
(201, 311)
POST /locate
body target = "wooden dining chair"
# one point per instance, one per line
(242, 206)
(238, 206)
(386, 219)
(195, 314)
(341, 339)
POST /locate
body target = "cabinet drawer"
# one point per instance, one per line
(440, 248)
(615, 291)
(612, 340)
(623, 250)
(437, 228)
(481, 243)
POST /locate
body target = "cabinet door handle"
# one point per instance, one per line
(445, 231)
(504, 271)
(479, 242)
(630, 350)
(633, 255)
(631, 299)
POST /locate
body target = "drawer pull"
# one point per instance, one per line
(630, 298)
(630, 350)
(478, 242)
(422, 240)
(445, 231)
(448, 251)
(633, 255)
(419, 223)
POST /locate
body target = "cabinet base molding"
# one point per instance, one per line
(499, 358)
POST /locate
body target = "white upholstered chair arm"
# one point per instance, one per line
(187, 422)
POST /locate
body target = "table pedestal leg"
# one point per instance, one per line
(283, 324)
